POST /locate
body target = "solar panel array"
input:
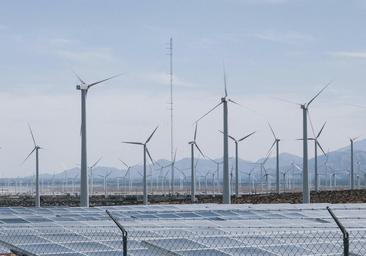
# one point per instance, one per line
(182, 229)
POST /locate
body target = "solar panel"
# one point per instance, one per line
(184, 229)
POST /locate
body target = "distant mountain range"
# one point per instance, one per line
(337, 161)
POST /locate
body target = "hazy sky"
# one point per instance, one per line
(271, 48)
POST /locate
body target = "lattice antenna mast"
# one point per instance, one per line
(171, 112)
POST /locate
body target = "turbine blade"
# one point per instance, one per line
(356, 105)
(133, 142)
(225, 80)
(31, 132)
(28, 155)
(148, 153)
(320, 132)
(195, 132)
(123, 163)
(175, 155)
(101, 81)
(234, 102)
(78, 77)
(151, 135)
(100, 158)
(325, 87)
(181, 172)
(270, 127)
(269, 152)
(287, 101)
(231, 137)
(247, 136)
(311, 123)
(317, 142)
(203, 155)
(209, 112)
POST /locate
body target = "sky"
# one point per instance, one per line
(271, 49)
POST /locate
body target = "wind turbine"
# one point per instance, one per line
(251, 184)
(277, 143)
(92, 176)
(266, 176)
(183, 174)
(263, 162)
(35, 149)
(145, 151)
(172, 166)
(352, 175)
(105, 177)
(226, 174)
(305, 176)
(284, 178)
(128, 173)
(84, 88)
(73, 183)
(207, 173)
(236, 141)
(217, 170)
(193, 144)
(316, 145)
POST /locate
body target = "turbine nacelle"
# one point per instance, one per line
(82, 87)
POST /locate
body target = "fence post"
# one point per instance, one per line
(344, 232)
(123, 230)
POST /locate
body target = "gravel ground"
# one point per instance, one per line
(344, 196)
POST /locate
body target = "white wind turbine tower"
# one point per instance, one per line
(184, 176)
(84, 88)
(193, 166)
(105, 177)
(91, 168)
(35, 149)
(145, 151)
(352, 174)
(172, 166)
(73, 183)
(267, 176)
(316, 145)
(217, 170)
(305, 176)
(237, 159)
(226, 175)
(250, 183)
(127, 174)
(284, 178)
(277, 143)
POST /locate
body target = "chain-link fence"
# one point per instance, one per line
(150, 240)
(233, 241)
(357, 242)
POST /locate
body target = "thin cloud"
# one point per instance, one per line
(349, 54)
(284, 37)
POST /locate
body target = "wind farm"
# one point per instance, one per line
(133, 182)
(197, 128)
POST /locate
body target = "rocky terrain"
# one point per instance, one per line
(344, 196)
